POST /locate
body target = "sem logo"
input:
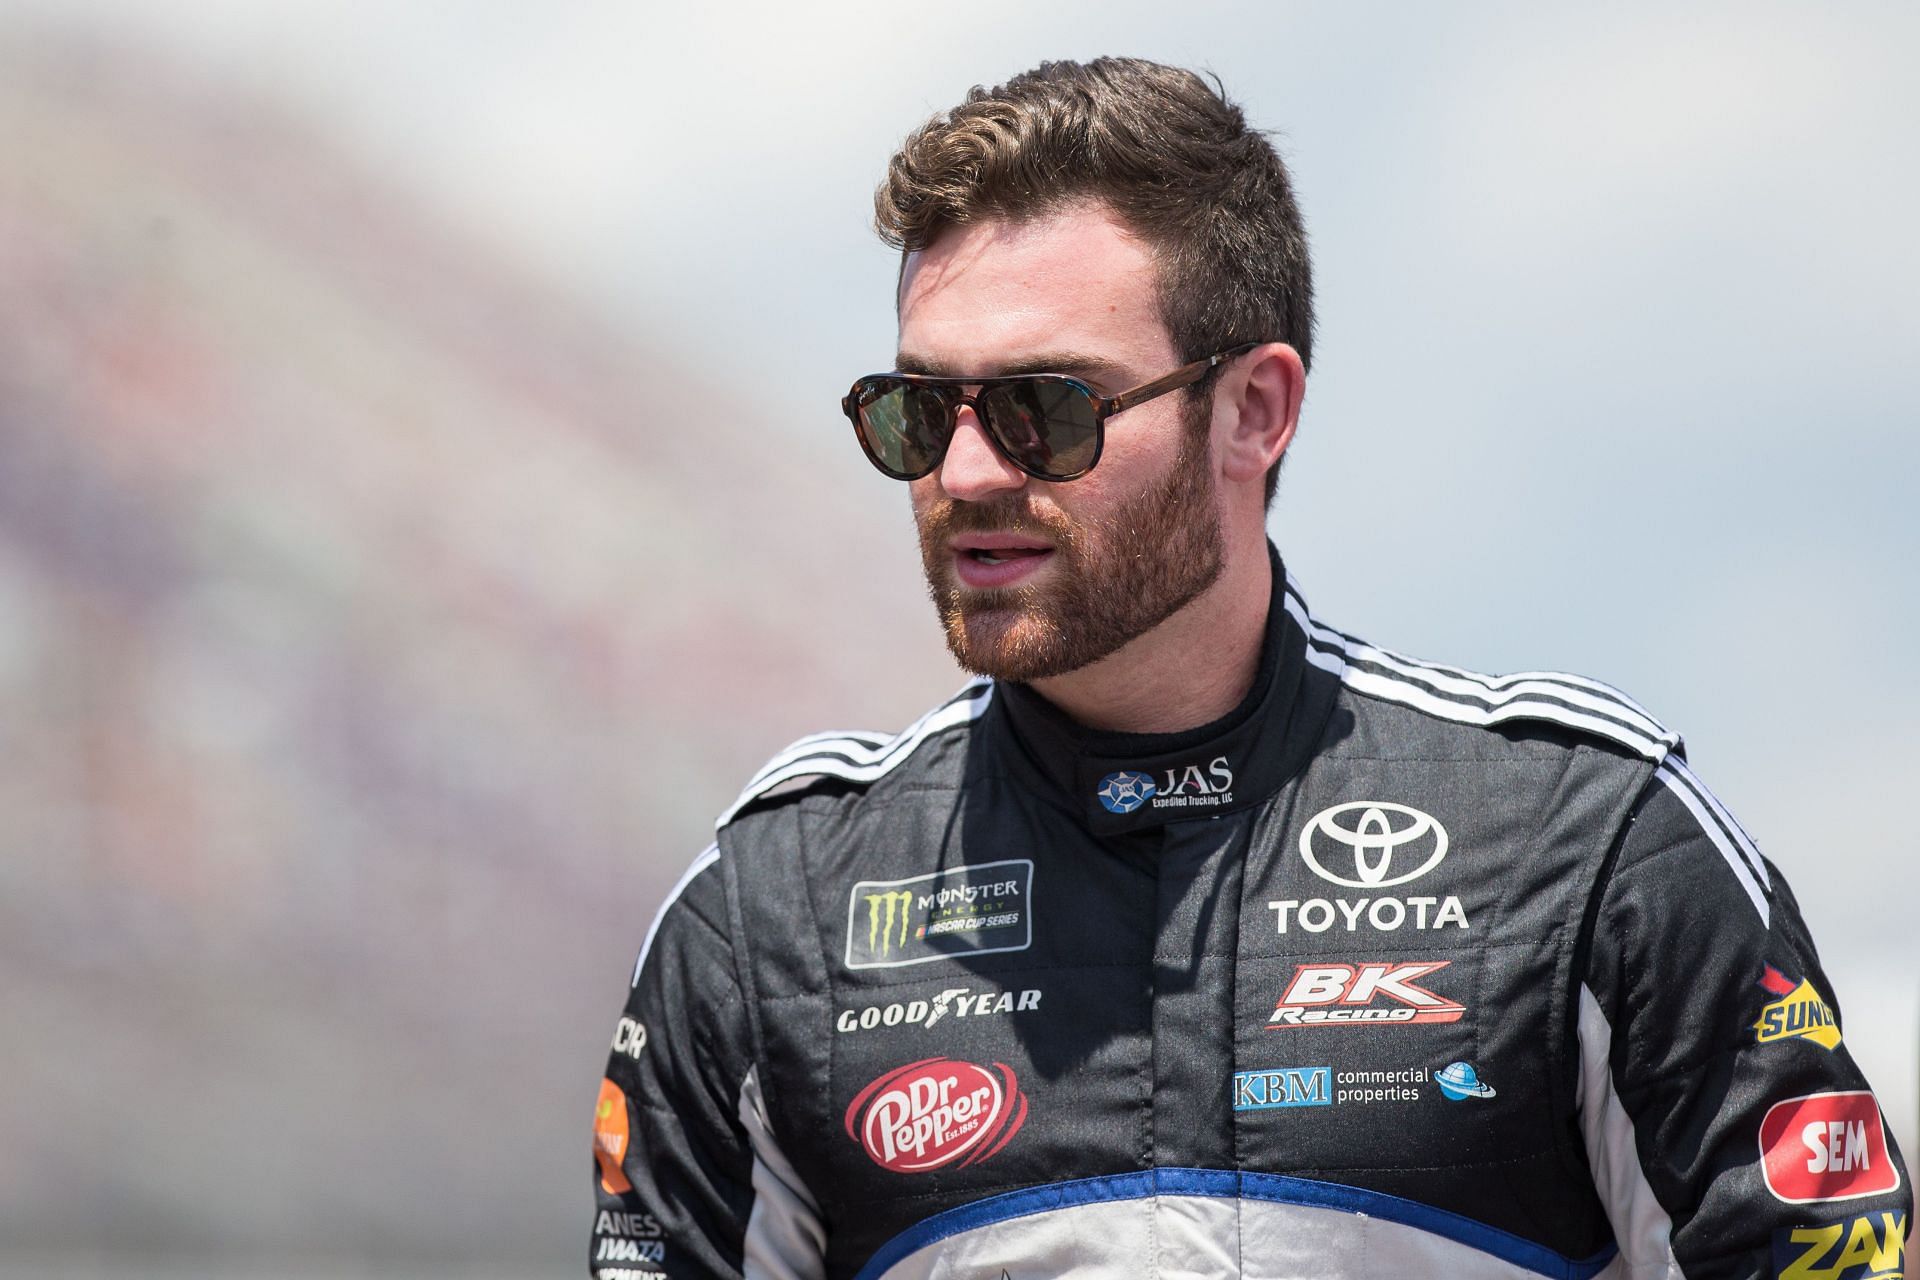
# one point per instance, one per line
(1338, 995)
(1125, 791)
(1373, 841)
(937, 1112)
(1826, 1146)
(1864, 1248)
(967, 910)
(1799, 1013)
(1282, 1087)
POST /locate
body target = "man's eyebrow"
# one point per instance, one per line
(1091, 367)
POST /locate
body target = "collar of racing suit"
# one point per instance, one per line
(1122, 782)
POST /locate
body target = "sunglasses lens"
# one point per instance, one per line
(904, 427)
(1046, 425)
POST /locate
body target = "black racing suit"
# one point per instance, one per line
(1396, 970)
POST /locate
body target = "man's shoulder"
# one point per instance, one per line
(1400, 704)
(852, 764)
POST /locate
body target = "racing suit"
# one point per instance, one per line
(1395, 970)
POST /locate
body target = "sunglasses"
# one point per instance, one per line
(1049, 425)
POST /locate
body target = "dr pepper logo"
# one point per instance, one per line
(1826, 1146)
(937, 1112)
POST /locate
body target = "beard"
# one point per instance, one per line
(1115, 577)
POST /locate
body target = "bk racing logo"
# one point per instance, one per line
(937, 1112)
(1339, 995)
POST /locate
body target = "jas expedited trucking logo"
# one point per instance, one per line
(1373, 993)
(1826, 1146)
(970, 910)
(937, 1112)
(1799, 1013)
(1202, 785)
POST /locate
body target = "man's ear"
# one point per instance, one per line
(1262, 394)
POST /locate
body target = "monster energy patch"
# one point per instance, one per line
(970, 910)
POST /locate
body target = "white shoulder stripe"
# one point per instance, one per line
(852, 742)
(857, 762)
(1734, 831)
(1421, 699)
(708, 856)
(1470, 698)
(1594, 694)
(1678, 784)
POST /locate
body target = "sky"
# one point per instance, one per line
(1614, 362)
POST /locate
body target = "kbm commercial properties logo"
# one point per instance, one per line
(1282, 1087)
(1278, 1087)
(969, 910)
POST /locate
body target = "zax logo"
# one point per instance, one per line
(1334, 995)
(1865, 1248)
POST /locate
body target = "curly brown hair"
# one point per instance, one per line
(1166, 151)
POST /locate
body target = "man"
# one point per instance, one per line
(1197, 937)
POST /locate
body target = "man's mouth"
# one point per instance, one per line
(986, 556)
(988, 560)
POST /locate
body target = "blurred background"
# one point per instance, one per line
(423, 501)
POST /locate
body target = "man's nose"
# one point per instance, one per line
(973, 467)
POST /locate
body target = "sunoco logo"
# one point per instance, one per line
(1372, 836)
(1799, 1013)
(937, 1112)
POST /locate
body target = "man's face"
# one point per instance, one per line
(1034, 579)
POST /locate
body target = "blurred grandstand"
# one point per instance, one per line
(379, 632)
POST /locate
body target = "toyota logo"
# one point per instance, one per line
(1379, 833)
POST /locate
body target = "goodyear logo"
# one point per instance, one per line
(1865, 1248)
(1799, 1013)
